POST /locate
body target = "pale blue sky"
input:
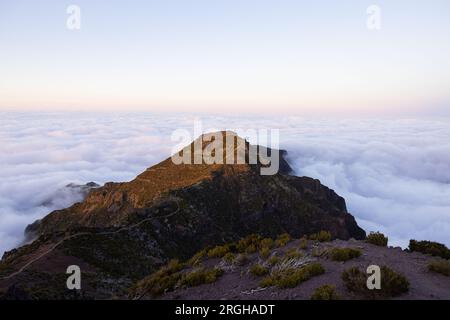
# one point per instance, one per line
(236, 56)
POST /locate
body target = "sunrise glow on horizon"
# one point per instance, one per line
(246, 56)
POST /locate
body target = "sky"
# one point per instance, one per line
(294, 57)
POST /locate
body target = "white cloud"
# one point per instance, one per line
(394, 174)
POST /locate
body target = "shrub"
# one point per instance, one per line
(174, 265)
(428, 247)
(290, 278)
(264, 252)
(158, 283)
(163, 280)
(303, 243)
(258, 270)
(326, 292)
(267, 243)
(251, 249)
(229, 257)
(219, 251)
(273, 260)
(440, 266)
(197, 258)
(393, 284)
(249, 243)
(293, 254)
(266, 282)
(201, 276)
(344, 254)
(322, 236)
(377, 238)
(282, 240)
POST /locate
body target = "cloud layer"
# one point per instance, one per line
(394, 174)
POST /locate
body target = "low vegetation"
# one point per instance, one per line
(322, 236)
(197, 258)
(343, 254)
(171, 276)
(267, 243)
(303, 243)
(264, 252)
(378, 239)
(249, 244)
(273, 260)
(282, 240)
(290, 277)
(440, 266)
(293, 254)
(229, 257)
(201, 276)
(258, 270)
(428, 247)
(393, 284)
(326, 292)
(219, 251)
(163, 280)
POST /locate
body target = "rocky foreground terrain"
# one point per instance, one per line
(244, 278)
(151, 238)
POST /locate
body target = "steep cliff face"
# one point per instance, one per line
(123, 231)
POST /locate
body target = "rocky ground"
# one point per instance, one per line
(239, 283)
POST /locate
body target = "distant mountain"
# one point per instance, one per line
(122, 232)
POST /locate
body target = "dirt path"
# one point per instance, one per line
(56, 245)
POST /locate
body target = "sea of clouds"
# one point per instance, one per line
(393, 173)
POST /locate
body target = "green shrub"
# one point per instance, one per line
(393, 284)
(258, 270)
(290, 278)
(249, 244)
(428, 247)
(174, 265)
(266, 282)
(322, 236)
(197, 258)
(273, 260)
(163, 280)
(201, 276)
(264, 252)
(229, 257)
(219, 251)
(267, 243)
(344, 254)
(326, 292)
(282, 240)
(293, 254)
(440, 266)
(377, 238)
(251, 248)
(303, 243)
